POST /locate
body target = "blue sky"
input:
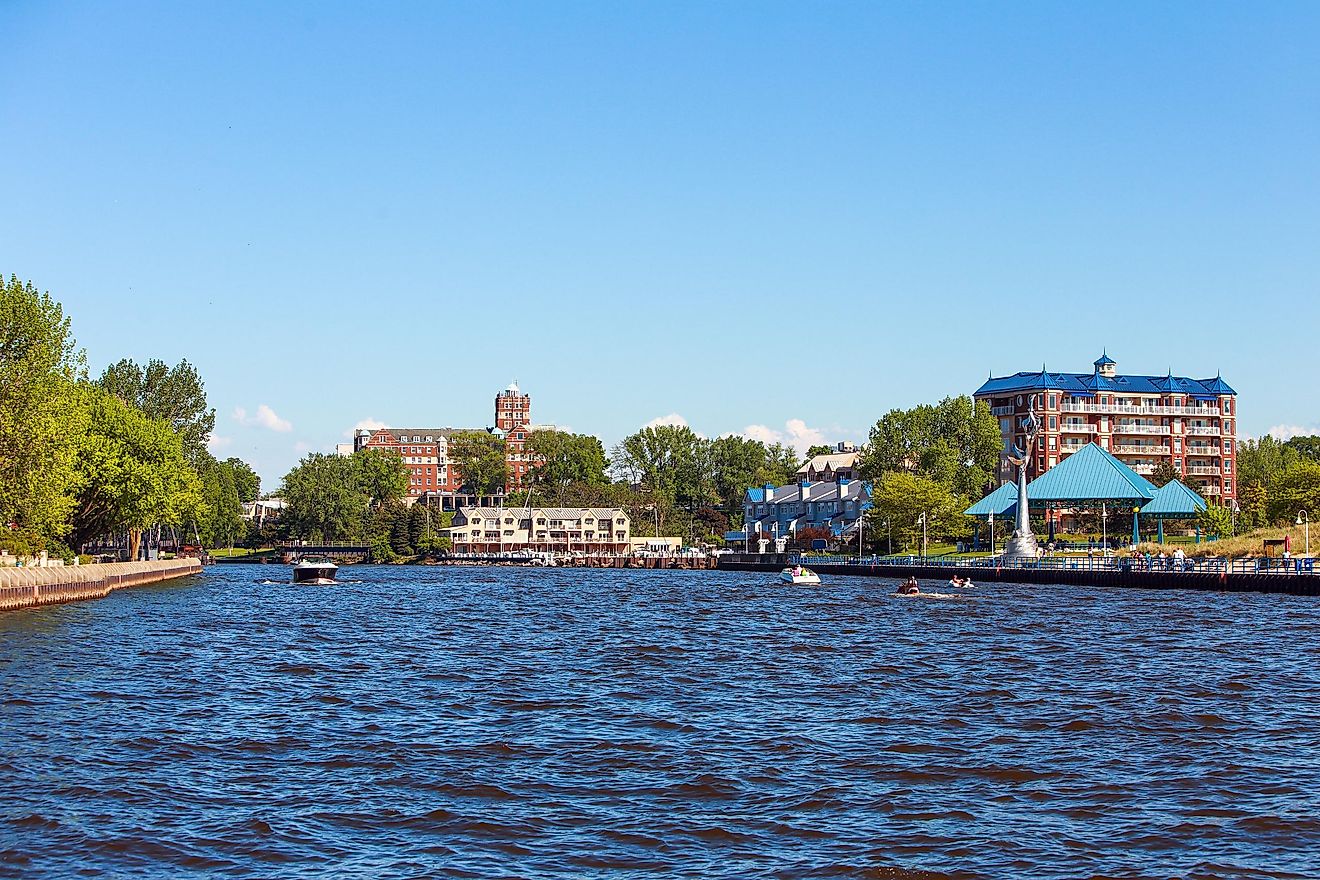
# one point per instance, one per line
(773, 218)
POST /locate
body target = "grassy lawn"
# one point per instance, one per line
(242, 553)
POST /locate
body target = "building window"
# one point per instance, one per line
(1054, 421)
(1052, 401)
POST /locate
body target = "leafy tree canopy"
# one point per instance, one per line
(479, 457)
(899, 501)
(565, 459)
(955, 442)
(175, 394)
(131, 472)
(40, 422)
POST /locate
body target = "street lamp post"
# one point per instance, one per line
(923, 536)
(1304, 519)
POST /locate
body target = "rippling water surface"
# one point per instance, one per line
(465, 722)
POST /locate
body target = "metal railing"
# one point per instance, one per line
(1128, 409)
(1211, 565)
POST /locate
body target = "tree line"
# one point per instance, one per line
(1277, 479)
(117, 456)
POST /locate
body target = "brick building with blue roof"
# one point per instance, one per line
(1141, 420)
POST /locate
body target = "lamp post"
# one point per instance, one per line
(992, 533)
(1304, 518)
(923, 536)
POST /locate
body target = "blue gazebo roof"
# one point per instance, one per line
(1001, 502)
(1090, 474)
(1173, 499)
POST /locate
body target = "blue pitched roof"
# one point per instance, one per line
(1090, 474)
(1086, 384)
(1104, 360)
(1001, 502)
(1174, 499)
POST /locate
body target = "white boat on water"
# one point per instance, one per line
(315, 572)
(799, 574)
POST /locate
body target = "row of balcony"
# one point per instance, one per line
(1140, 450)
(1129, 409)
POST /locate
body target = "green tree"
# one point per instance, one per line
(479, 458)
(899, 501)
(670, 461)
(40, 417)
(381, 475)
(818, 450)
(955, 442)
(324, 499)
(1164, 474)
(737, 464)
(564, 459)
(247, 484)
(1296, 489)
(175, 394)
(221, 522)
(1307, 447)
(132, 473)
(1216, 519)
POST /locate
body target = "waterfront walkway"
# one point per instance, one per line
(1294, 576)
(26, 587)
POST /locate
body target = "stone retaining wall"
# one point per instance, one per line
(25, 587)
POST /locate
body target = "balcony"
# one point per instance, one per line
(1078, 428)
(1209, 490)
(1143, 468)
(1201, 470)
(1202, 431)
(1001, 410)
(1139, 450)
(1129, 409)
(1139, 429)
(1203, 450)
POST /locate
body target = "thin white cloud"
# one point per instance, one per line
(264, 417)
(673, 419)
(302, 446)
(796, 434)
(216, 443)
(367, 424)
(1287, 432)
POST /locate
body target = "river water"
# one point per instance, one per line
(482, 722)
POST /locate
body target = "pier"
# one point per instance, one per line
(28, 587)
(1299, 577)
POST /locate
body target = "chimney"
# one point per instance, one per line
(769, 492)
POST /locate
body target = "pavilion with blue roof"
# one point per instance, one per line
(1090, 477)
(1173, 500)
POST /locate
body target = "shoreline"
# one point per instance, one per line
(31, 587)
(1223, 581)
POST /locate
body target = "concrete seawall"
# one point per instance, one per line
(1298, 585)
(26, 587)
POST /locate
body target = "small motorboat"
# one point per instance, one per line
(799, 574)
(316, 572)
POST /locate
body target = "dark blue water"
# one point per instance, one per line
(466, 722)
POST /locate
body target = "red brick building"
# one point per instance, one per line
(1141, 420)
(425, 451)
(513, 421)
